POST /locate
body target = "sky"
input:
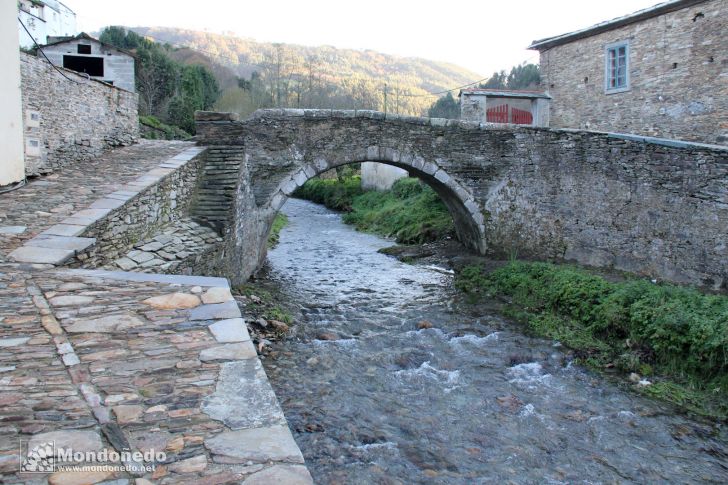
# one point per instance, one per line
(483, 36)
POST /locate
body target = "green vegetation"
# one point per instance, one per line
(262, 303)
(162, 130)
(524, 76)
(677, 335)
(295, 76)
(445, 107)
(335, 194)
(279, 223)
(411, 212)
(168, 89)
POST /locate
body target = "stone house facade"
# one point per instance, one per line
(660, 72)
(100, 61)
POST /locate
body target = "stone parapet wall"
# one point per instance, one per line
(71, 120)
(654, 207)
(678, 70)
(143, 215)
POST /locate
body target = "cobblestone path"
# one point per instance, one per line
(95, 360)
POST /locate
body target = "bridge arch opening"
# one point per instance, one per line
(466, 215)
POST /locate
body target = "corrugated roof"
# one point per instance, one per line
(647, 13)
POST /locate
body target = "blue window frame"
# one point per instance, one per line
(616, 73)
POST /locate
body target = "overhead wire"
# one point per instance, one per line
(40, 49)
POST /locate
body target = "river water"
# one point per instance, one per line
(469, 401)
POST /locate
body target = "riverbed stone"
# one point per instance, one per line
(281, 474)
(260, 445)
(173, 301)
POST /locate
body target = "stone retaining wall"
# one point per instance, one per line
(144, 214)
(71, 120)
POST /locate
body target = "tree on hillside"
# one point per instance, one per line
(168, 89)
(497, 81)
(445, 107)
(522, 76)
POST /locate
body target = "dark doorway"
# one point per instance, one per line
(93, 66)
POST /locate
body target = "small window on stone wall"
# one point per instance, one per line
(84, 49)
(617, 68)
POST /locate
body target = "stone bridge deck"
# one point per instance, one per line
(97, 359)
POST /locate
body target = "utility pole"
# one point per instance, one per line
(385, 98)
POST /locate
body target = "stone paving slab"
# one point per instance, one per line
(156, 278)
(60, 242)
(128, 362)
(34, 254)
(46, 201)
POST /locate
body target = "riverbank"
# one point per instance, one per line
(670, 341)
(410, 213)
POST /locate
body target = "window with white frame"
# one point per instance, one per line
(617, 68)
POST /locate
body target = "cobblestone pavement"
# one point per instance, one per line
(110, 360)
(46, 201)
(169, 249)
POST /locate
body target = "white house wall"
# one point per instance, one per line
(12, 163)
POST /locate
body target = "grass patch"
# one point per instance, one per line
(262, 303)
(279, 223)
(333, 193)
(676, 334)
(411, 212)
(161, 130)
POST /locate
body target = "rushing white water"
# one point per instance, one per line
(470, 401)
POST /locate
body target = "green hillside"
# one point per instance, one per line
(289, 75)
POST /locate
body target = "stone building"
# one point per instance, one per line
(44, 19)
(100, 61)
(68, 117)
(519, 107)
(662, 72)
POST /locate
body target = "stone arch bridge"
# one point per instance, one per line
(648, 206)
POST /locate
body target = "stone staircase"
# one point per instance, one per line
(216, 187)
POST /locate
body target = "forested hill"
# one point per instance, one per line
(290, 75)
